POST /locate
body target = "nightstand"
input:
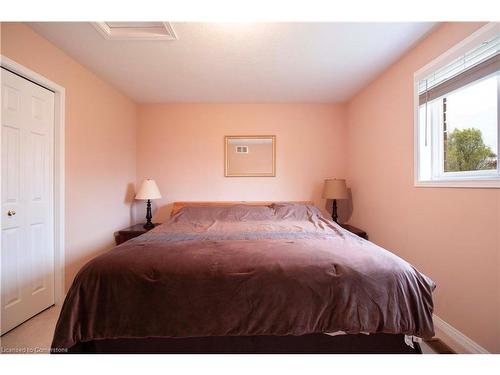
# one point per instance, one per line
(131, 232)
(356, 231)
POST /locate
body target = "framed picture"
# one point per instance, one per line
(250, 155)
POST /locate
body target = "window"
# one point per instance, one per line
(457, 110)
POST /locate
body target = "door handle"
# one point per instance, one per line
(11, 213)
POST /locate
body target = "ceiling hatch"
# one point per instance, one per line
(136, 30)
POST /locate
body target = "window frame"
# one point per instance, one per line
(439, 178)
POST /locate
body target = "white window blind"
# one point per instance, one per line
(484, 60)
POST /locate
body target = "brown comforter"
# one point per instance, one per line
(239, 270)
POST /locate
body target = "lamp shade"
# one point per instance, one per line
(335, 189)
(148, 190)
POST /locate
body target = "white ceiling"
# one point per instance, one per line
(249, 62)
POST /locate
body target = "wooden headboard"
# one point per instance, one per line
(178, 205)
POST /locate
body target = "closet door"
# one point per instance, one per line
(27, 253)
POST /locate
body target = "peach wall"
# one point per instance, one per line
(182, 147)
(100, 145)
(450, 234)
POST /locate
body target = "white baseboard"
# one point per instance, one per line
(455, 339)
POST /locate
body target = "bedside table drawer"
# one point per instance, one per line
(131, 232)
(358, 232)
(123, 237)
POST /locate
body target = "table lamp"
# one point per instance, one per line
(335, 189)
(147, 191)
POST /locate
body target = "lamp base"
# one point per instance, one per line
(148, 226)
(334, 211)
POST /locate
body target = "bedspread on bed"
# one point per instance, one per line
(239, 270)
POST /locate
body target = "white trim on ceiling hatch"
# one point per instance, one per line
(136, 30)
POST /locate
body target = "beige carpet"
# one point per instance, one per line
(33, 336)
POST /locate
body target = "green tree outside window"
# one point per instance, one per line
(466, 151)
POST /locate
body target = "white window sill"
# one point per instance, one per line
(493, 183)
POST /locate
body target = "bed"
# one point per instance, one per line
(246, 278)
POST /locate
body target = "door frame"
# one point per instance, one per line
(59, 174)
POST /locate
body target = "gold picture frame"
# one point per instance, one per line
(250, 156)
